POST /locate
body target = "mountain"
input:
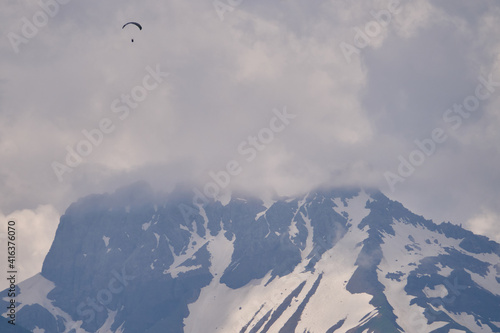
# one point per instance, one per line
(332, 260)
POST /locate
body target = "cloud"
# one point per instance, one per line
(485, 224)
(34, 233)
(225, 78)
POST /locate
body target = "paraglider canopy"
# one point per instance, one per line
(133, 23)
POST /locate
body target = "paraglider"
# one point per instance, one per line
(133, 23)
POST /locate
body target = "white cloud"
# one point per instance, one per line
(34, 233)
(486, 223)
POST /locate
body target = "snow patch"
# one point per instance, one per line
(182, 269)
(488, 282)
(157, 239)
(338, 265)
(260, 214)
(208, 311)
(356, 208)
(203, 214)
(444, 271)
(106, 240)
(438, 291)
(195, 243)
(467, 320)
(106, 327)
(293, 231)
(309, 241)
(146, 226)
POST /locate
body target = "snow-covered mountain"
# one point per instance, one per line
(334, 260)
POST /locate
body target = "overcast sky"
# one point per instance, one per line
(353, 96)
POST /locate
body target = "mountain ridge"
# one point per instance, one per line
(332, 260)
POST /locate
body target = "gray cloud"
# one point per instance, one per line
(352, 121)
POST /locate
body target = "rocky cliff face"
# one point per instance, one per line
(334, 260)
